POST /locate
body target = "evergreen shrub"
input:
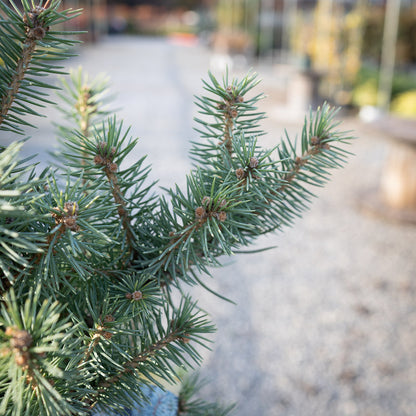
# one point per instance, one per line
(94, 265)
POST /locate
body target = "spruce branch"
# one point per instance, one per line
(131, 365)
(197, 227)
(75, 235)
(320, 152)
(273, 190)
(100, 157)
(189, 405)
(31, 357)
(19, 192)
(110, 172)
(22, 65)
(163, 345)
(31, 43)
(35, 30)
(84, 105)
(231, 113)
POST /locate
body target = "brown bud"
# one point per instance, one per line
(107, 335)
(326, 146)
(21, 339)
(128, 295)
(109, 318)
(221, 106)
(254, 162)
(101, 146)
(71, 208)
(233, 113)
(240, 99)
(229, 89)
(171, 233)
(137, 295)
(98, 160)
(56, 215)
(223, 203)
(113, 167)
(206, 200)
(200, 212)
(314, 140)
(240, 173)
(21, 358)
(86, 91)
(222, 216)
(71, 223)
(39, 33)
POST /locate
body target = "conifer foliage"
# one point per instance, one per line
(94, 266)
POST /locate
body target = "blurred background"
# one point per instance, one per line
(350, 46)
(324, 324)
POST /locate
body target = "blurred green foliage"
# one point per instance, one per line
(403, 94)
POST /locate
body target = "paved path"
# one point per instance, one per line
(325, 324)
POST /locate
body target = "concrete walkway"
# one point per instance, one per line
(324, 324)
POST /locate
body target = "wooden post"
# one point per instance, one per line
(388, 53)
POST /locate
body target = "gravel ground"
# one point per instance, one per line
(325, 323)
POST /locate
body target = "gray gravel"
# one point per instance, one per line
(325, 323)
